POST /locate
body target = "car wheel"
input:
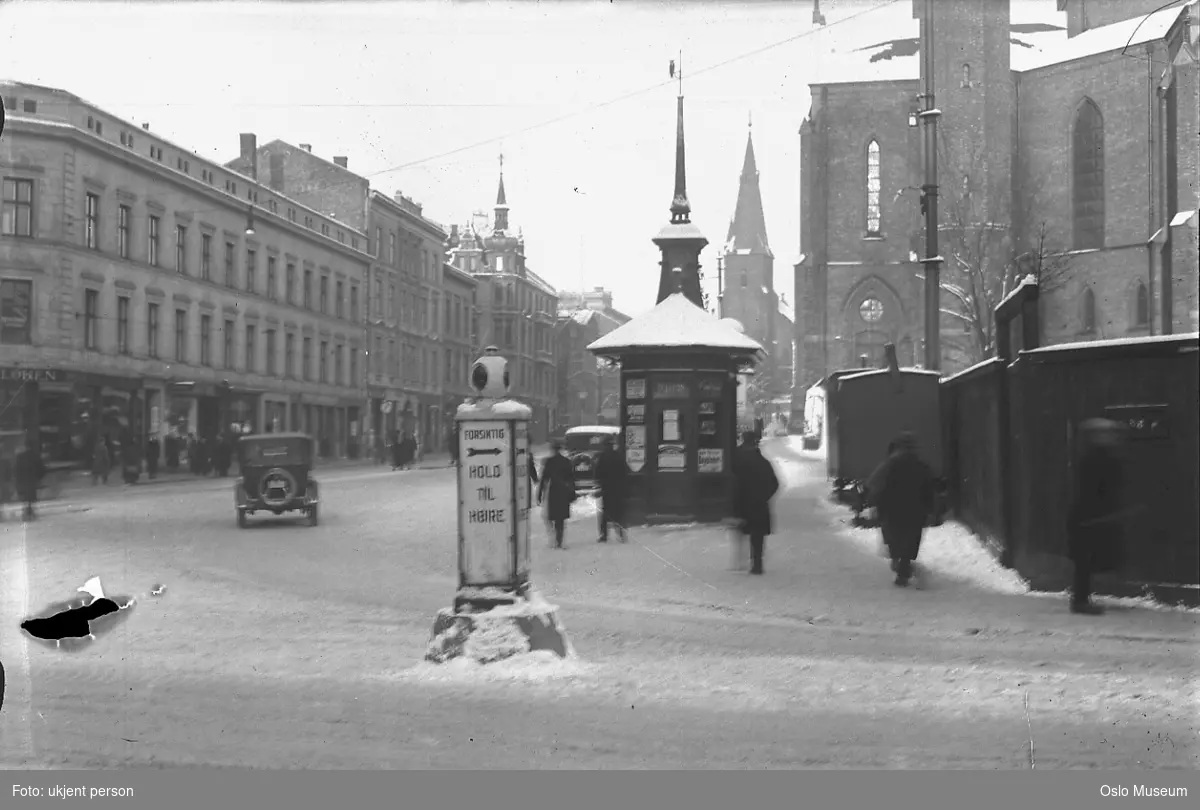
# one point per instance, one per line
(241, 518)
(312, 515)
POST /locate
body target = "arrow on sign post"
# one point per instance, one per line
(474, 451)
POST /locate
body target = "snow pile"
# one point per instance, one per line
(493, 409)
(494, 638)
(531, 667)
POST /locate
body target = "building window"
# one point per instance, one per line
(251, 267)
(324, 295)
(353, 366)
(229, 272)
(123, 214)
(272, 279)
(152, 330)
(338, 351)
(91, 222)
(181, 249)
(206, 340)
(16, 312)
(181, 336)
(306, 360)
(354, 303)
(392, 249)
(227, 350)
(289, 355)
(338, 296)
(30, 106)
(966, 77)
(1087, 162)
(1141, 306)
(251, 331)
(323, 360)
(1088, 305)
(122, 325)
(308, 289)
(91, 316)
(290, 284)
(271, 352)
(18, 207)
(873, 188)
(152, 241)
(206, 256)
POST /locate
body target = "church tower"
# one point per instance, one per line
(748, 293)
(501, 210)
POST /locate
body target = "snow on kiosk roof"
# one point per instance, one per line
(675, 323)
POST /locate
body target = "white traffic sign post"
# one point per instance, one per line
(495, 604)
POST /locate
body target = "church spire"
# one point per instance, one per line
(501, 203)
(681, 209)
(748, 229)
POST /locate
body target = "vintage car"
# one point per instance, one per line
(582, 445)
(276, 476)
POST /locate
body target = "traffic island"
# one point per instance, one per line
(488, 630)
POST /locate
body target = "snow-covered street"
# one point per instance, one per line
(289, 646)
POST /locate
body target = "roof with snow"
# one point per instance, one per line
(676, 322)
(1115, 37)
(748, 228)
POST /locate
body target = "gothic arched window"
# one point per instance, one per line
(1087, 163)
(873, 187)
(1087, 316)
(1141, 306)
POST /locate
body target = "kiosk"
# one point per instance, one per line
(496, 612)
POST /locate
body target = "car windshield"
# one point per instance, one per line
(272, 453)
(581, 442)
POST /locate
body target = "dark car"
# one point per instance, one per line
(582, 445)
(276, 476)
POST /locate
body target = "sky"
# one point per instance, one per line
(423, 96)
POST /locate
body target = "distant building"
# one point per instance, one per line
(516, 308)
(459, 349)
(146, 291)
(404, 316)
(748, 286)
(578, 378)
(1073, 154)
(608, 318)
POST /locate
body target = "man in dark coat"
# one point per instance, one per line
(153, 448)
(557, 488)
(1094, 522)
(901, 488)
(610, 473)
(755, 484)
(452, 444)
(28, 470)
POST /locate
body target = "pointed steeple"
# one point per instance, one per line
(680, 208)
(748, 229)
(680, 241)
(501, 203)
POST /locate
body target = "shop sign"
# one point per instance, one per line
(710, 387)
(31, 375)
(635, 414)
(671, 389)
(635, 389)
(710, 460)
(635, 436)
(635, 458)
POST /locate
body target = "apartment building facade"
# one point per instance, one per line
(459, 344)
(148, 291)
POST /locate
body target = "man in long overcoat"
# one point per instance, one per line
(557, 489)
(452, 444)
(902, 490)
(101, 461)
(153, 450)
(1094, 522)
(755, 484)
(610, 473)
(28, 470)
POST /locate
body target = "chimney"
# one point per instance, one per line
(146, 126)
(307, 147)
(341, 161)
(250, 152)
(454, 234)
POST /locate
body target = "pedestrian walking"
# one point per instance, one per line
(408, 451)
(452, 445)
(153, 448)
(557, 489)
(101, 461)
(28, 471)
(1094, 521)
(901, 489)
(755, 484)
(610, 473)
(397, 451)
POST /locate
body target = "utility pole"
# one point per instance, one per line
(932, 262)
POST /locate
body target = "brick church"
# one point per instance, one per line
(1074, 161)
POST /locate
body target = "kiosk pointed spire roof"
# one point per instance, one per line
(681, 209)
